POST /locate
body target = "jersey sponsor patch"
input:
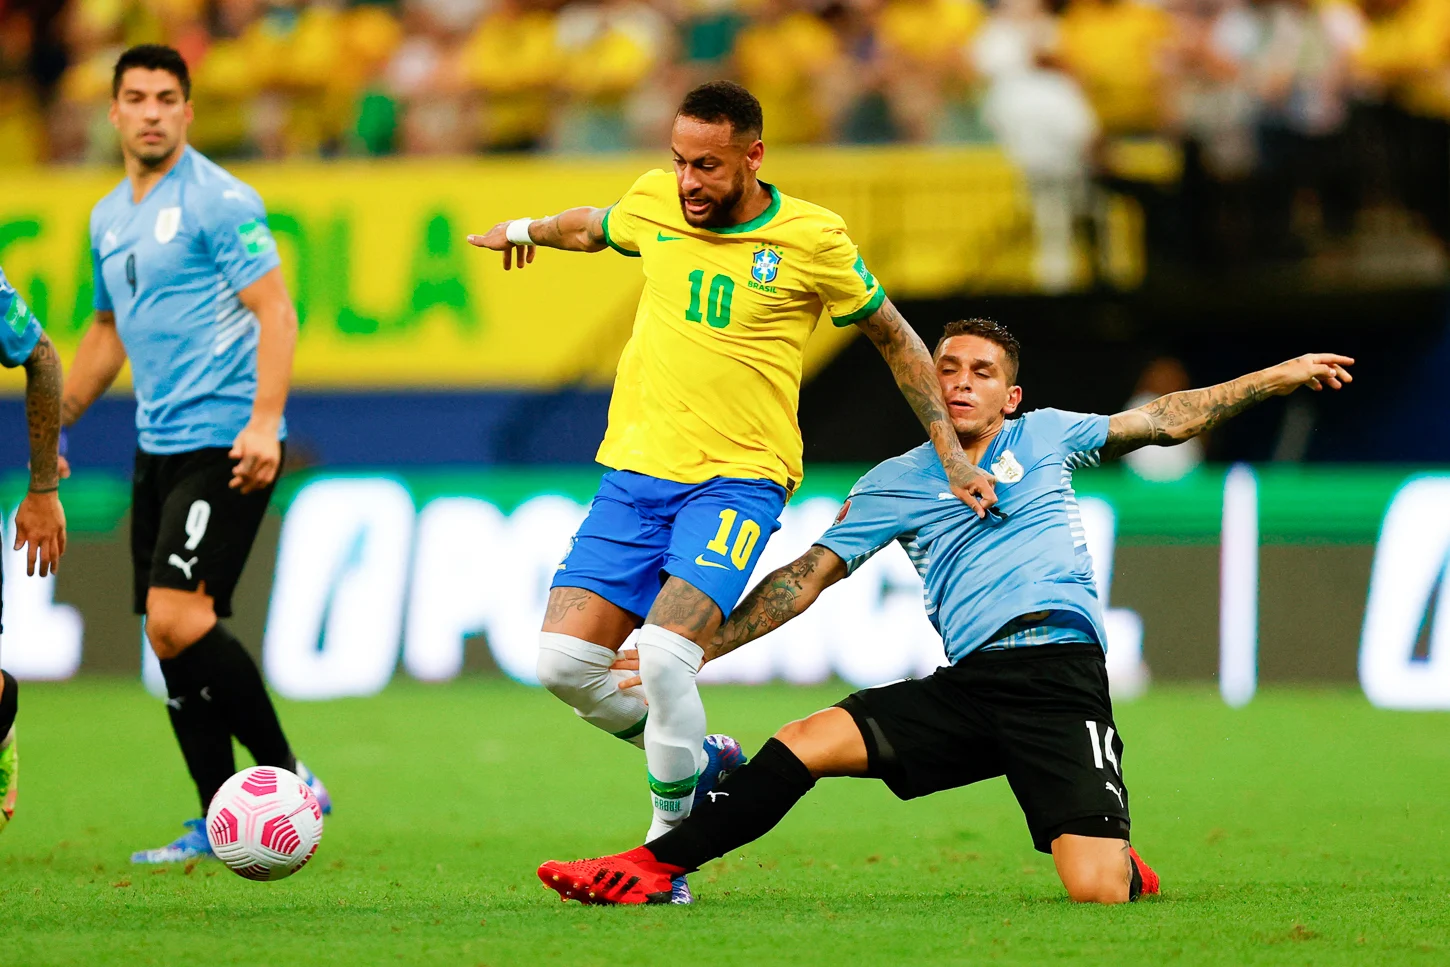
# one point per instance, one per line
(168, 223)
(867, 278)
(845, 509)
(17, 317)
(256, 237)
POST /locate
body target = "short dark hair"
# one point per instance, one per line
(718, 101)
(992, 332)
(153, 57)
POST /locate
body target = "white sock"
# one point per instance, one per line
(675, 732)
(578, 672)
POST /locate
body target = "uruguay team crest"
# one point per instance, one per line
(168, 221)
(1007, 469)
(765, 264)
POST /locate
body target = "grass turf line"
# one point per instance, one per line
(1305, 828)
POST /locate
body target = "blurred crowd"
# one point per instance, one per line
(1341, 99)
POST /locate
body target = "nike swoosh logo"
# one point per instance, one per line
(700, 560)
(662, 237)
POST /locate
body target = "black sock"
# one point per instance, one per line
(237, 691)
(9, 704)
(202, 733)
(1135, 881)
(747, 805)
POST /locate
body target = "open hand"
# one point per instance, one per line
(40, 523)
(497, 240)
(1314, 370)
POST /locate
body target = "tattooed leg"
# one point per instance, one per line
(577, 646)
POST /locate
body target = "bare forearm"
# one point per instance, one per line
(785, 593)
(915, 373)
(43, 385)
(574, 230)
(276, 343)
(98, 361)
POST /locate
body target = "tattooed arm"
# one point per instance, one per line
(574, 230)
(785, 593)
(915, 374)
(40, 521)
(1182, 416)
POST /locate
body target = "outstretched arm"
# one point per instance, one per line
(1177, 417)
(915, 374)
(574, 230)
(785, 593)
(40, 520)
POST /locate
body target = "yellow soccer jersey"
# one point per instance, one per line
(710, 379)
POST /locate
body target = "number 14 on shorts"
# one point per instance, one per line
(738, 550)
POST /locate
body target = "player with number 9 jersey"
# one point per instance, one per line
(189, 289)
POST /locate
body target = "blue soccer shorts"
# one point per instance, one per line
(640, 529)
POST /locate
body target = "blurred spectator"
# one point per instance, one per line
(1045, 124)
(1118, 50)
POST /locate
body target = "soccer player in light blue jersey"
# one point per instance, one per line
(1025, 691)
(39, 520)
(188, 286)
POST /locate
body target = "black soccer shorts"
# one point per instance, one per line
(188, 527)
(1040, 715)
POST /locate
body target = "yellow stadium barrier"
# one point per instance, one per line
(390, 295)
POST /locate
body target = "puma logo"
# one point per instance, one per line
(712, 795)
(183, 566)
(1115, 791)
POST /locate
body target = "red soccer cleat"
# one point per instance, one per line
(633, 877)
(1150, 879)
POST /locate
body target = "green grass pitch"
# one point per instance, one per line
(1307, 828)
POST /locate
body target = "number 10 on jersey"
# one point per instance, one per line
(717, 300)
(745, 538)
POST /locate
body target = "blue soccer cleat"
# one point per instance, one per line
(724, 756)
(315, 784)
(192, 845)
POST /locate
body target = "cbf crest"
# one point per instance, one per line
(765, 264)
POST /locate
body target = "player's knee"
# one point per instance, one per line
(176, 622)
(1096, 883)
(570, 679)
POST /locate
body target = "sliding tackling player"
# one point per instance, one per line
(1026, 692)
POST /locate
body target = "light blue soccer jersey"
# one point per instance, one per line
(980, 576)
(19, 329)
(170, 269)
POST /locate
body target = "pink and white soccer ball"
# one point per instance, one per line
(264, 823)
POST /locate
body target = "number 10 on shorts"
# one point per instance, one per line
(745, 538)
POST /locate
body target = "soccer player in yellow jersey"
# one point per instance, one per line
(703, 437)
